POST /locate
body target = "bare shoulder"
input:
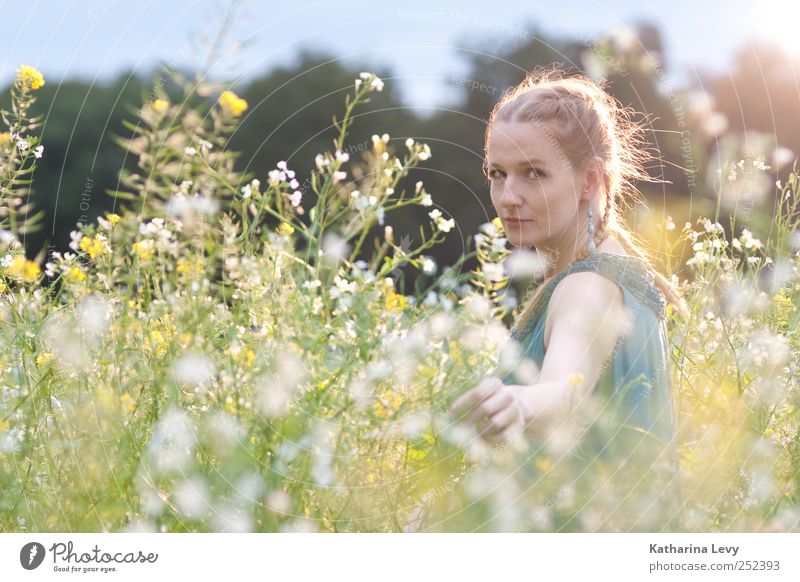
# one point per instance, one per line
(578, 294)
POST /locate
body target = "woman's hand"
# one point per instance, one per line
(497, 410)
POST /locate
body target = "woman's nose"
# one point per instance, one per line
(508, 196)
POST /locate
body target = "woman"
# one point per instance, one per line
(561, 156)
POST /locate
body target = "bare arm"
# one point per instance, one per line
(587, 315)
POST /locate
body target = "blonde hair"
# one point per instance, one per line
(586, 123)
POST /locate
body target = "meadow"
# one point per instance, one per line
(225, 353)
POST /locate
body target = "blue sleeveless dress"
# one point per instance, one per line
(637, 380)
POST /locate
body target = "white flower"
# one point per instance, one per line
(295, 197)
(435, 214)
(38, 151)
(494, 272)
(22, 144)
(189, 151)
(342, 156)
(381, 213)
(525, 264)
(338, 176)
(334, 248)
(446, 225)
(321, 161)
(204, 145)
(246, 192)
(377, 84)
(426, 200)
(428, 265)
(193, 368)
(410, 143)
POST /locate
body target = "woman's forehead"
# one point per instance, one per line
(519, 144)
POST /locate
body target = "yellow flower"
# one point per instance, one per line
(232, 103)
(160, 333)
(498, 223)
(75, 275)
(396, 302)
(383, 407)
(160, 105)
(143, 249)
(29, 78)
(23, 269)
(575, 380)
(189, 267)
(5, 137)
(543, 464)
(285, 229)
(113, 218)
(95, 245)
(43, 358)
(128, 402)
(245, 356)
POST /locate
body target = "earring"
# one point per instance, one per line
(590, 228)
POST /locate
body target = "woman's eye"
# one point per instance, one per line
(534, 173)
(494, 174)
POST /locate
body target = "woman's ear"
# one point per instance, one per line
(593, 178)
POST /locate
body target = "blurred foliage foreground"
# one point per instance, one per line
(217, 358)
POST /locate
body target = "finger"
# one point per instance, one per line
(498, 401)
(502, 421)
(474, 396)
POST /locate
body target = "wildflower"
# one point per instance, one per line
(426, 200)
(143, 249)
(189, 267)
(159, 105)
(44, 358)
(95, 246)
(410, 142)
(23, 269)
(376, 84)
(285, 229)
(244, 356)
(38, 151)
(446, 225)
(189, 151)
(29, 78)
(128, 402)
(428, 265)
(748, 240)
(425, 154)
(296, 197)
(232, 103)
(5, 137)
(396, 302)
(74, 275)
(338, 176)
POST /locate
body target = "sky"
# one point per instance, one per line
(422, 43)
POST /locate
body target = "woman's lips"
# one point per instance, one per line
(516, 221)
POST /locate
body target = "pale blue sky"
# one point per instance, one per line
(421, 42)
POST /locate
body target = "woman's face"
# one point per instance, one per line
(534, 188)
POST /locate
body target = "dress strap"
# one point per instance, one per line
(626, 270)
